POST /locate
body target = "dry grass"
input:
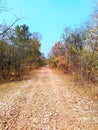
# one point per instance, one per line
(7, 86)
(87, 90)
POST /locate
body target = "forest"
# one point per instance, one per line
(76, 53)
(19, 51)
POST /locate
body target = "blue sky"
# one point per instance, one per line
(48, 17)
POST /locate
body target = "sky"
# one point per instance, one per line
(48, 17)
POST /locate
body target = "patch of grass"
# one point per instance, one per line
(25, 76)
(31, 74)
(7, 85)
(89, 90)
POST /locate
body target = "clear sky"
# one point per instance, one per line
(49, 17)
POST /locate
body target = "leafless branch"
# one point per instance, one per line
(9, 26)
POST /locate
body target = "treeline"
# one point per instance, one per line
(19, 51)
(77, 52)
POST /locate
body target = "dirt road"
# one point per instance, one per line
(46, 103)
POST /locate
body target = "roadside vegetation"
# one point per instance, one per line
(19, 52)
(77, 52)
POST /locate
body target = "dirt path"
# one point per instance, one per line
(45, 103)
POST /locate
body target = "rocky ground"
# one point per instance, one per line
(46, 103)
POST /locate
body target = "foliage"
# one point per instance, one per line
(78, 52)
(19, 52)
(58, 49)
(53, 61)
